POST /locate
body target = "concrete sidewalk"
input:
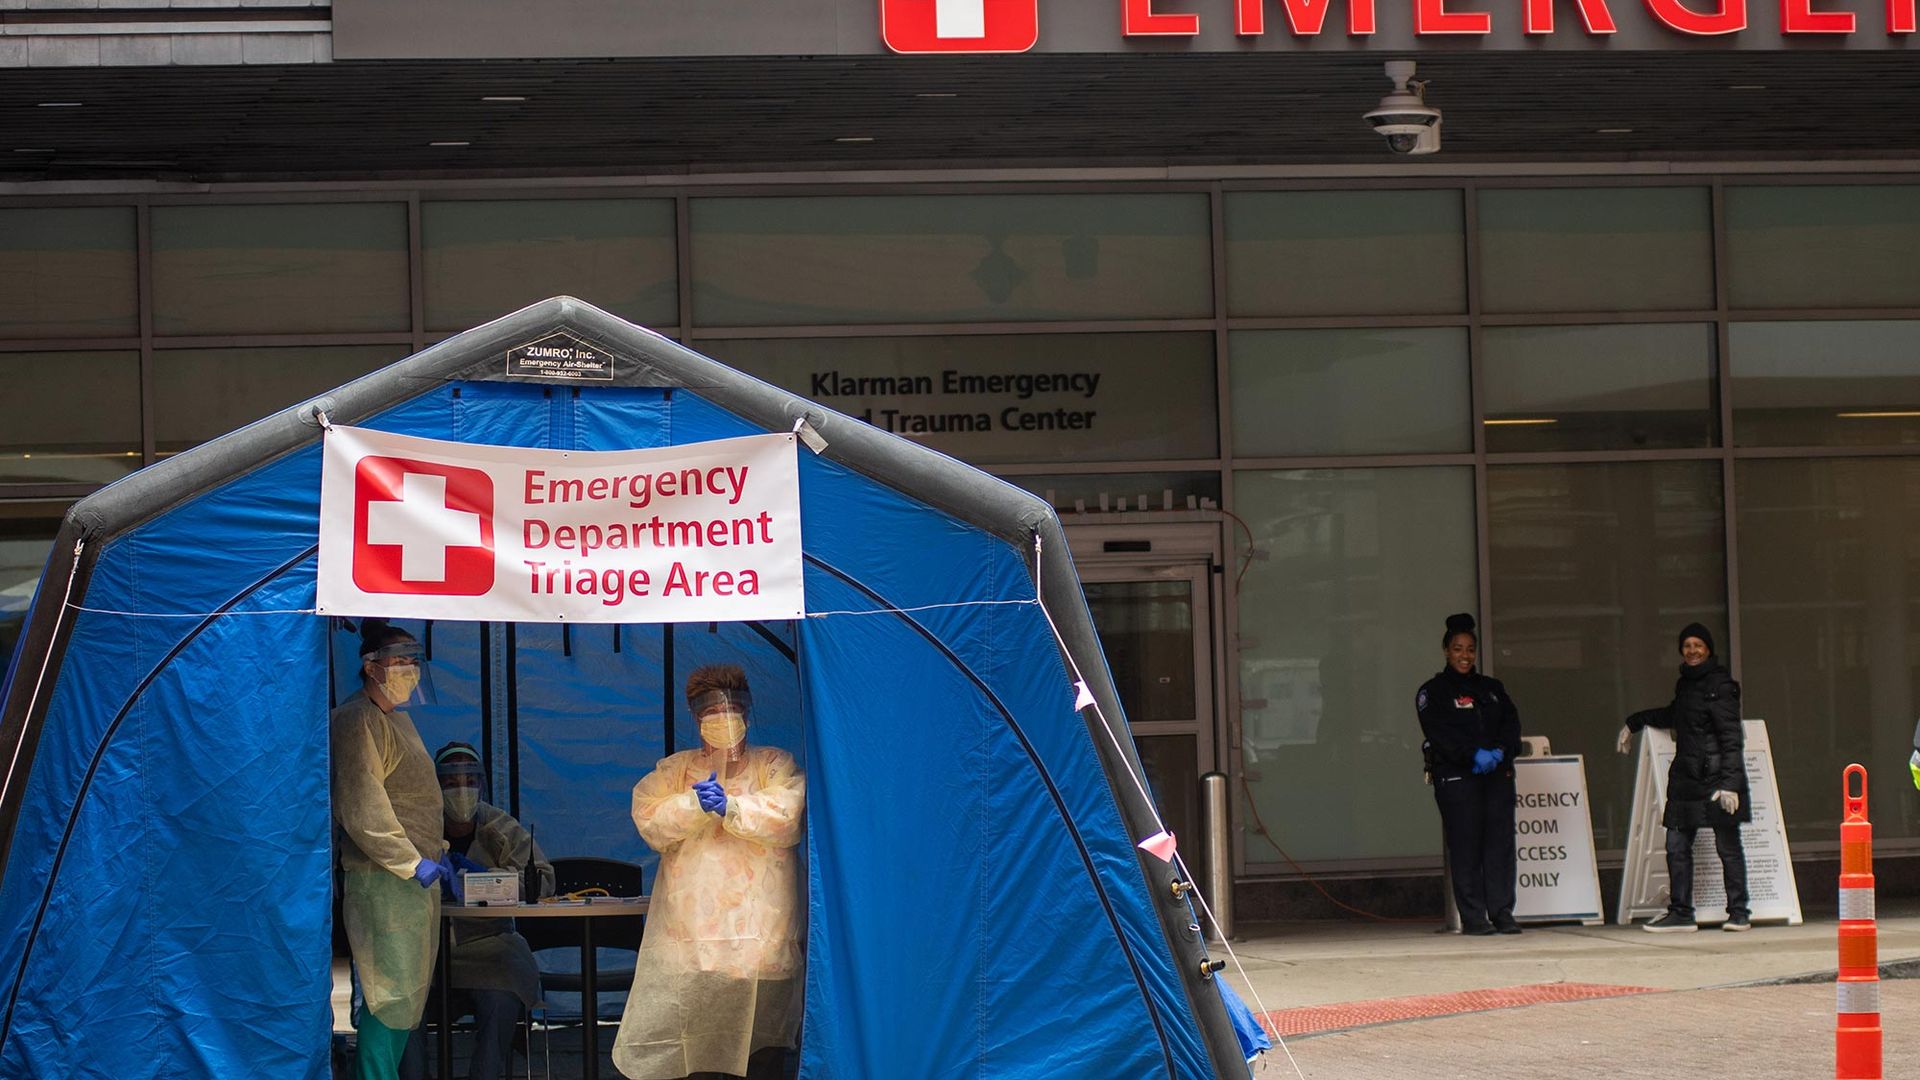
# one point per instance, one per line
(1752, 1033)
(1318, 962)
(1710, 1002)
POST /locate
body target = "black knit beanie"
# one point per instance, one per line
(1696, 630)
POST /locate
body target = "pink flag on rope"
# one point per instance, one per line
(1160, 845)
(1085, 698)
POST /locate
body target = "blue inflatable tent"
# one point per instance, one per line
(976, 903)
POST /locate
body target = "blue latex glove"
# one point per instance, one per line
(451, 881)
(460, 862)
(1499, 754)
(713, 797)
(1483, 762)
(428, 873)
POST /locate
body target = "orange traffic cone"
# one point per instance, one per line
(1856, 1049)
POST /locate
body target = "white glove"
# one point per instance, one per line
(1728, 800)
(1624, 743)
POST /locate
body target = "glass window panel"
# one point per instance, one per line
(69, 417)
(1596, 249)
(950, 258)
(26, 536)
(1823, 246)
(201, 394)
(68, 272)
(1599, 387)
(1340, 624)
(1350, 391)
(1830, 630)
(1595, 568)
(1018, 397)
(1080, 492)
(293, 269)
(1825, 383)
(1146, 632)
(1345, 253)
(486, 259)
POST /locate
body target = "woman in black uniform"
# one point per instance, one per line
(1473, 734)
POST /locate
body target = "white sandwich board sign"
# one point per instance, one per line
(1553, 842)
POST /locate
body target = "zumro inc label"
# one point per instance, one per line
(559, 356)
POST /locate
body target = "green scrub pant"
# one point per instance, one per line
(380, 1048)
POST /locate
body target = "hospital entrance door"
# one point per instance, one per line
(1152, 592)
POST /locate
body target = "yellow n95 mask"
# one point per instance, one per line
(460, 803)
(723, 730)
(723, 716)
(400, 683)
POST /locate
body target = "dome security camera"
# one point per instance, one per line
(1409, 124)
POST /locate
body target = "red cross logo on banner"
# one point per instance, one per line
(948, 26)
(422, 528)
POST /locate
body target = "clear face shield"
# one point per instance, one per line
(401, 674)
(462, 781)
(723, 718)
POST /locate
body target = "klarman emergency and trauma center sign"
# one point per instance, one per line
(420, 528)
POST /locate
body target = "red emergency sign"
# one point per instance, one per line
(1431, 18)
(959, 26)
(931, 26)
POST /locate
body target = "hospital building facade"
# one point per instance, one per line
(1638, 346)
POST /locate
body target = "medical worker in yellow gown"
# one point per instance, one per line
(718, 977)
(386, 801)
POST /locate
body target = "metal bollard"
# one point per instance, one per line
(1213, 823)
(1856, 1050)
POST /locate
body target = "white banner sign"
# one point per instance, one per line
(1771, 890)
(1557, 880)
(425, 529)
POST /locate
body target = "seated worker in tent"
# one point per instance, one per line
(392, 854)
(716, 984)
(494, 975)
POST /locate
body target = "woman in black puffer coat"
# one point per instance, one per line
(1707, 783)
